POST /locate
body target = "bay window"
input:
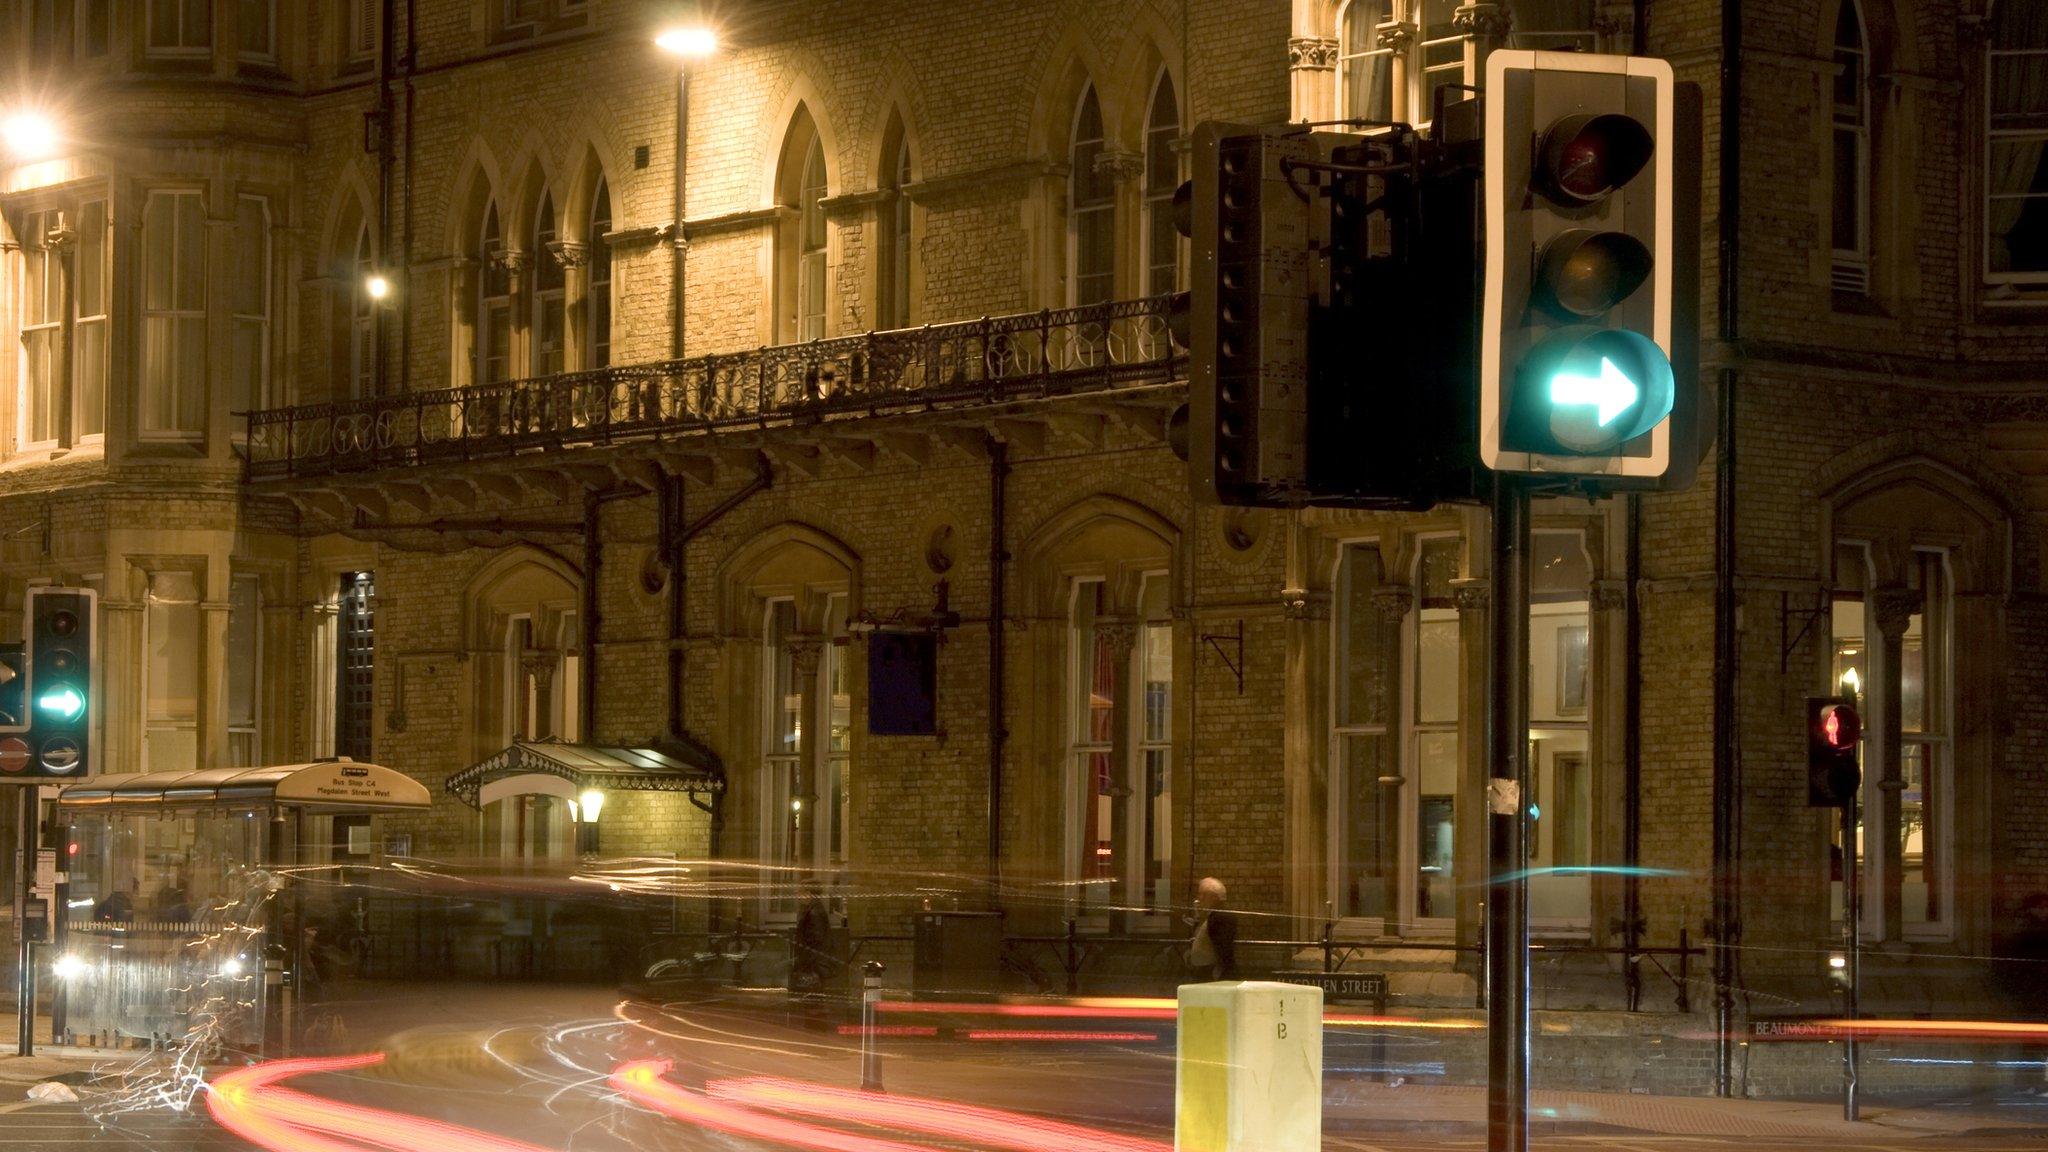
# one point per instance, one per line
(173, 316)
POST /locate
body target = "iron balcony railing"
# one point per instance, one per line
(1117, 345)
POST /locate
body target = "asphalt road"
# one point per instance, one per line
(532, 1064)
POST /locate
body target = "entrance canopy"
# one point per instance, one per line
(341, 783)
(573, 768)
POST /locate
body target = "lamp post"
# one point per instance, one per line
(685, 43)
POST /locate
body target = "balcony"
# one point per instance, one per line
(953, 370)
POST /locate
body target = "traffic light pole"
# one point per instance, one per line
(1507, 855)
(1853, 951)
(27, 799)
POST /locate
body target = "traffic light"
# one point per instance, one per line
(1833, 732)
(59, 698)
(1590, 311)
(13, 688)
(1248, 348)
(1330, 342)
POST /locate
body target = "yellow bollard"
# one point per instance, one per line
(1249, 1068)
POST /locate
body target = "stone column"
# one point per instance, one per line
(1121, 636)
(1485, 27)
(1892, 610)
(1398, 38)
(213, 695)
(1312, 68)
(804, 652)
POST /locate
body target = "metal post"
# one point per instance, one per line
(1851, 914)
(870, 1056)
(1507, 858)
(25, 979)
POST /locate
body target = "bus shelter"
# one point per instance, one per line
(176, 908)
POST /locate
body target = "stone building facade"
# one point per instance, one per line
(914, 266)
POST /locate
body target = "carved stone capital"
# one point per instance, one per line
(60, 235)
(1119, 165)
(539, 663)
(1471, 595)
(1484, 20)
(1892, 610)
(1395, 36)
(803, 656)
(1608, 595)
(1302, 604)
(1120, 635)
(512, 261)
(1311, 53)
(1394, 602)
(1973, 29)
(569, 253)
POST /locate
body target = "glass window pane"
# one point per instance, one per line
(92, 258)
(173, 647)
(1848, 188)
(1363, 654)
(1366, 851)
(244, 620)
(189, 288)
(1436, 762)
(159, 231)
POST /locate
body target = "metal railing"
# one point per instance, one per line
(994, 359)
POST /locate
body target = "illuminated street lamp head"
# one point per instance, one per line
(591, 802)
(377, 286)
(691, 42)
(29, 135)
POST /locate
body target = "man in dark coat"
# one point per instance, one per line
(1212, 954)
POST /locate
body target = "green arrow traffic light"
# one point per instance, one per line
(62, 703)
(1588, 391)
(1611, 393)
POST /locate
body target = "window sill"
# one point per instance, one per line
(39, 455)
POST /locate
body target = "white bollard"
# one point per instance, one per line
(1250, 1068)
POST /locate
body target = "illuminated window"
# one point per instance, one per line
(250, 289)
(356, 661)
(1120, 665)
(245, 660)
(1365, 70)
(1363, 805)
(805, 781)
(801, 240)
(171, 672)
(42, 327)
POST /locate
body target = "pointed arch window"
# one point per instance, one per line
(2016, 152)
(548, 324)
(494, 304)
(1162, 177)
(810, 268)
(1850, 157)
(800, 243)
(598, 297)
(893, 298)
(362, 324)
(1091, 209)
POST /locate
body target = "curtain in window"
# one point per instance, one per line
(1364, 72)
(41, 326)
(2017, 179)
(89, 332)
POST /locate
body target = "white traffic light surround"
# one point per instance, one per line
(1508, 161)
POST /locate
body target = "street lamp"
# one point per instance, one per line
(29, 135)
(685, 42)
(589, 804)
(690, 42)
(377, 286)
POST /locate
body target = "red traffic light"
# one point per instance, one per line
(1840, 726)
(1586, 157)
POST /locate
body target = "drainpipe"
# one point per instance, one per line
(592, 615)
(1727, 910)
(998, 732)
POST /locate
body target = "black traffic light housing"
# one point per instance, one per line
(13, 688)
(59, 698)
(1834, 735)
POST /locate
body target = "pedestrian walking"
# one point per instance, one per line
(1212, 953)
